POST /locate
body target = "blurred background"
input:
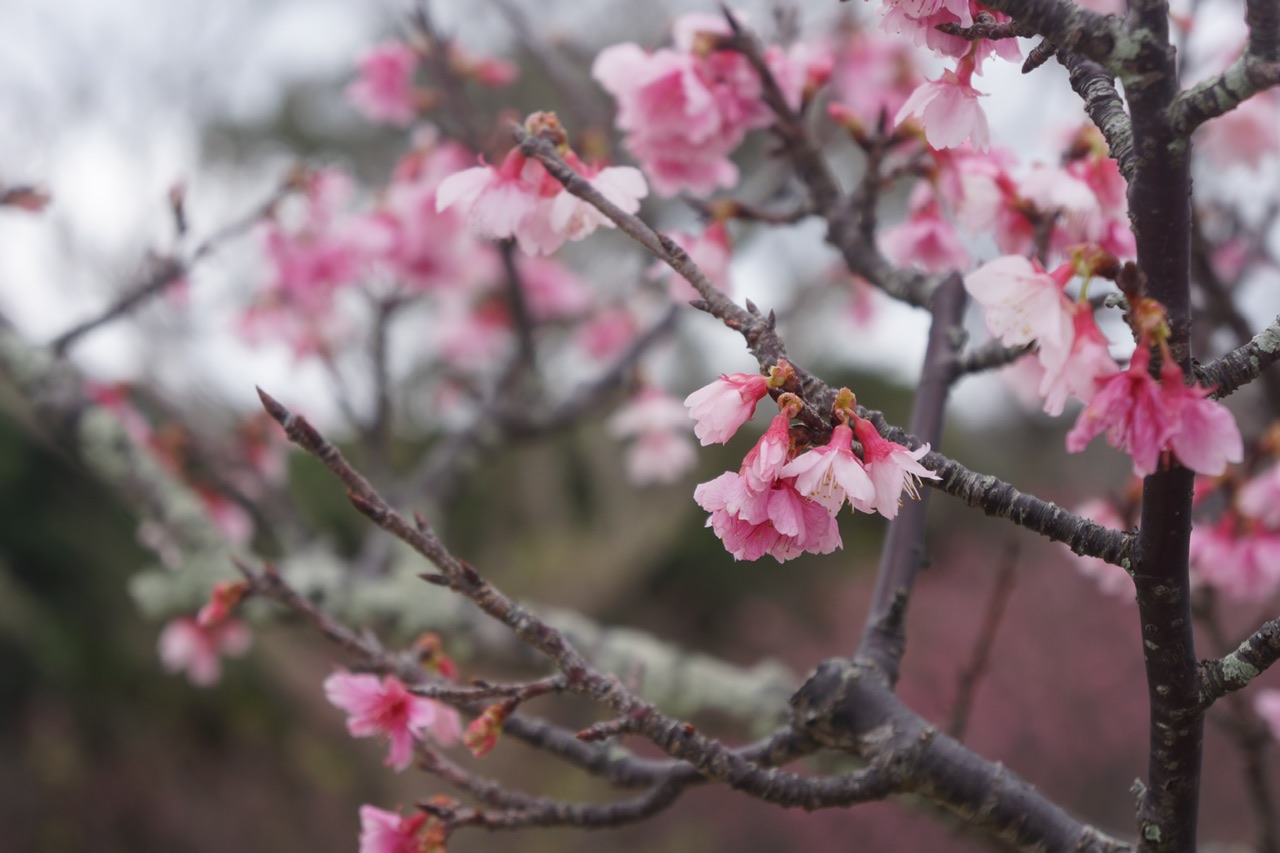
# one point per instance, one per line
(109, 105)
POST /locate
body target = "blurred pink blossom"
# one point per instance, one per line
(186, 646)
(384, 90)
(388, 832)
(383, 708)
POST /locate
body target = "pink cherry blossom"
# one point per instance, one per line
(1206, 437)
(1267, 706)
(1024, 304)
(187, 646)
(724, 405)
(1088, 363)
(873, 75)
(576, 218)
(763, 463)
(388, 832)
(511, 201)
(661, 449)
(778, 521)
(384, 90)
(927, 239)
(949, 112)
(1259, 498)
(684, 110)
(892, 468)
(1132, 409)
(1241, 561)
(383, 708)
(831, 473)
(423, 247)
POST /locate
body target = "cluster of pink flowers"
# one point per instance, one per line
(1146, 418)
(385, 90)
(1239, 553)
(385, 707)
(657, 427)
(189, 647)
(521, 200)
(390, 832)
(685, 109)
(785, 503)
(1023, 305)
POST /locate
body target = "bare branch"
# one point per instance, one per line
(169, 269)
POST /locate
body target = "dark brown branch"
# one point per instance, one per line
(1096, 87)
(1160, 210)
(849, 706)
(990, 356)
(1072, 28)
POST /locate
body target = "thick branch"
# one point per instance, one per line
(847, 705)
(1096, 87)
(1070, 27)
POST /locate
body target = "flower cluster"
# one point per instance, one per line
(660, 449)
(783, 502)
(1239, 553)
(521, 200)
(685, 109)
(1146, 418)
(389, 832)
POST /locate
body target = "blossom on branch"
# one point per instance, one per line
(384, 90)
(382, 707)
(185, 645)
(387, 832)
(724, 405)
(948, 110)
(893, 469)
(520, 199)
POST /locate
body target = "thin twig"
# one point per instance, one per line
(971, 674)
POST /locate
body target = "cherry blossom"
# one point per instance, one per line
(831, 473)
(1240, 560)
(1024, 304)
(661, 449)
(521, 200)
(384, 90)
(189, 647)
(724, 405)
(764, 462)
(1205, 437)
(684, 110)
(948, 110)
(383, 708)
(927, 238)
(892, 468)
(1132, 409)
(778, 521)
(387, 832)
